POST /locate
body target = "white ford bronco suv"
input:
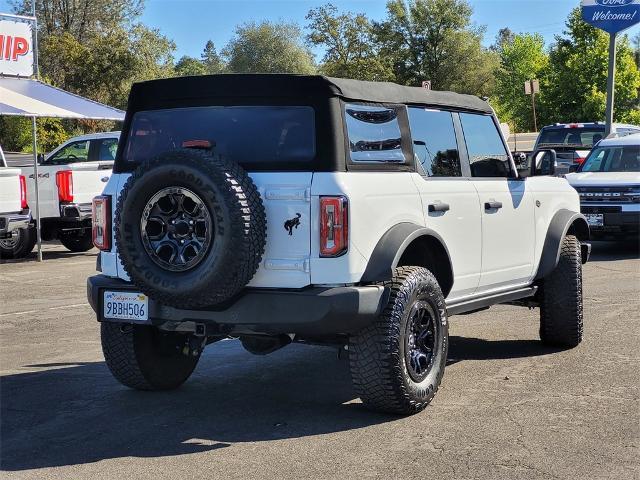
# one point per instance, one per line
(608, 183)
(284, 208)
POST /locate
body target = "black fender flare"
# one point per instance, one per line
(563, 222)
(391, 246)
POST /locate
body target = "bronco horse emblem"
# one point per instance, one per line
(292, 223)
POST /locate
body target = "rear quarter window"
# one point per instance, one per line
(373, 133)
(488, 156)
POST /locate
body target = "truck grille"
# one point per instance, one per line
(609, 194)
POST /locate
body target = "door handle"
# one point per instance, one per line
(492, 205)
(438, 207)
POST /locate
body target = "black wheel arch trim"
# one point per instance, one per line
(564, 221)
(391, 246)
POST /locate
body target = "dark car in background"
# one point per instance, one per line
(573, 141)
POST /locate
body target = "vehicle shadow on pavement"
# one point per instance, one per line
(76, 413)
(468, 348)
(607, 251)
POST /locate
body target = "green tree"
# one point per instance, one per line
(15, 134)
(575, 85)
(351, 50)
(522, 57)
(211, 60)
(80, 18)
(505, 36)
(268, 47)
(434, 40)
(190, 66)
(104, 67)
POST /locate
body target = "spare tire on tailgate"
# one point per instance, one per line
(190, 228)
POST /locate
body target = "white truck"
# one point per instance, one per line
(608, 183)
(292, 208)
(16, 238)
(68, 178)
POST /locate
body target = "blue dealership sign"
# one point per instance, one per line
(611, 15)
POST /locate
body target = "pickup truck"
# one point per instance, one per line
(16, 238)
(68, 178)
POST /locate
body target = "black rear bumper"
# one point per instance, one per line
(310, 311)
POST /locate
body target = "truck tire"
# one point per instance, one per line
(561, 299)
(144, 358)
(77, 241)
(19, 245)
(190, 228)
(397, 363)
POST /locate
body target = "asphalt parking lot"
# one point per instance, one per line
(508, 407)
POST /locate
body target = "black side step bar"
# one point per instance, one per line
(485, 302)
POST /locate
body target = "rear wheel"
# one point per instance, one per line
(397, 363)
(561, 302)
(19, 245)
(77, 241)
(145, 358)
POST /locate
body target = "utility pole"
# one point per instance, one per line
(611, 79)
(531, 87)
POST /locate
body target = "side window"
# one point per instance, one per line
(434, 142)
(106, 148)
(487, 154)
(72, 153)
(374, 133)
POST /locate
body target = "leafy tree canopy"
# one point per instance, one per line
(268, 47)
(351, 50)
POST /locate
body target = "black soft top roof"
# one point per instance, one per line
(170, 91)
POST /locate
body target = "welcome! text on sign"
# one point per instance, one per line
(16, 52)
(611, 15)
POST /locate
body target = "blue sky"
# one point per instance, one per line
(190, 23)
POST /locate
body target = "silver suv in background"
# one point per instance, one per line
(608, 183)
(573, 141)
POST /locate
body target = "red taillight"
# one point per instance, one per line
(101, 222)
(23, 192)
(334, 226)
(64, 181)
(579, 160)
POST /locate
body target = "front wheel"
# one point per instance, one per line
(397, 363)
(145, 358)
(561, 302)
(77, 241)
(19, 245)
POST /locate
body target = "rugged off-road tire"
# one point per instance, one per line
(77, 241)
(380, 370)
(237, 215)
(144, 358)
(561, 298)
(19, 245)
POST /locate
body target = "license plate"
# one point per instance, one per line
(595, 219)
(132, 306)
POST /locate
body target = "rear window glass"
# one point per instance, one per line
(374, 133)
(578, 137)
(434, 142)
(487, 154)
(245, 134)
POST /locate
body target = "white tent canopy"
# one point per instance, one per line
(32, 98)
(26, 97)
